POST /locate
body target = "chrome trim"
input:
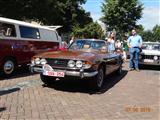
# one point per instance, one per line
(147, 63)
(36, 69)
(80, 73)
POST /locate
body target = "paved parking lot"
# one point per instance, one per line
(131, 96)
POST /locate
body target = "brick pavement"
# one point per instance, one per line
(132, 96)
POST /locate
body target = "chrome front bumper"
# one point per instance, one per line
(80, 73)
(148, 63)
(154, 62)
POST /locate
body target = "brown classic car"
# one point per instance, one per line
(84, 58)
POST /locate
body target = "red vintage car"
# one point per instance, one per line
(84, 58)
(19, 41)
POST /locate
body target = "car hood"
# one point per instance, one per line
(150, 52)
(81, 55)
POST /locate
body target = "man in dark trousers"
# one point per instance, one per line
(134, 43)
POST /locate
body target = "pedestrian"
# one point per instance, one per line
(111, 42)
(63, 46)
(134, 44)
(125, 48)
(118, 45)
(72, 40)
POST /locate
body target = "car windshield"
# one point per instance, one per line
(149, 46)
(87, 44)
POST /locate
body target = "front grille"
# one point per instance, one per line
(147, 56)
(57, 62)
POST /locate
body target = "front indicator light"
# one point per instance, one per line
(87, 65)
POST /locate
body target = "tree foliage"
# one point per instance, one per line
(50, 12)
(92, 30)
(121, 15)
(156, 33)
(147, 35)
(152, 35)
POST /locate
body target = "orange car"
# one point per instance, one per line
(84, 58)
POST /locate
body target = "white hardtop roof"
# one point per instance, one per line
(7, 20)
(151, 42)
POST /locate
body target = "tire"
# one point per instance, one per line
(97, 81)
(47, 80)
(8, 67)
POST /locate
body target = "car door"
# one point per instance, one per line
(111, 61)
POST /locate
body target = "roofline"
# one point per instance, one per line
(152, 42)
(18, 22)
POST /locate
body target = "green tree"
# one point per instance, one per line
(121, 15)
(156, 33)
(92, 30)
(151, 35)
(50, 12)
(147, 36)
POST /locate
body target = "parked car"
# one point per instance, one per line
(85, 58)
(19, 41)
(150, 54)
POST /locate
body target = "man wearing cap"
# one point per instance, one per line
(134, 43)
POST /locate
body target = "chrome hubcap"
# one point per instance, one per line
(8, 67)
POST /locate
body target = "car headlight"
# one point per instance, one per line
(155, 58)
(47, 67)
(79, 64)
(37, 61)
(71, 63)
(43, 61)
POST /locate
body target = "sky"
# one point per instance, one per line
(150, 17)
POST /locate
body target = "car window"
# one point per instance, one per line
(87, 44)
(151, 46)
(98, 44)
(29, 32)
(7, 30)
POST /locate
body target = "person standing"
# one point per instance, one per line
(72, 40)
(118, 45)
(134, 44)
(111, 42)
(125, 48)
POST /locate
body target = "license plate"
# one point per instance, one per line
(148, 60)
(54, 73)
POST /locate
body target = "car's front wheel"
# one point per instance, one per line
(47, 80)
(97, 81)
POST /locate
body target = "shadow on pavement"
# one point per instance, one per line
(20, 72)
(82, 86)
(8, 91)
(2, 109)
(111, 81)
(150, 67)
